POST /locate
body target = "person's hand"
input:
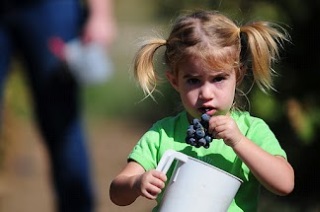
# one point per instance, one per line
(99, 29)
(150, 184)
(224, 127)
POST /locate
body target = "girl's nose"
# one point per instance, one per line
(206, 92)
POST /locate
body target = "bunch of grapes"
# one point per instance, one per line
(197, 132)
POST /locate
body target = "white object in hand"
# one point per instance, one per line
(89, 63)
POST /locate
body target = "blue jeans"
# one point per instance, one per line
(55, 93)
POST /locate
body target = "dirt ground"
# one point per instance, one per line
(25, 175)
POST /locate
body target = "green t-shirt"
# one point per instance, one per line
(170, 133)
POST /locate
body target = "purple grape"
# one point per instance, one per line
(208, 138)
(200, 133)
(205, 117)
(191, 132)
(190, 141)
(196, 123)
(197, 132)
(205, 120)
(202, 142)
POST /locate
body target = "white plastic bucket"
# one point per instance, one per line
(196, 185)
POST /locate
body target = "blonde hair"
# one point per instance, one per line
(219, 42)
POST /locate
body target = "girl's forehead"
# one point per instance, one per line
(209, 58)
(198, 66)
(192, 63)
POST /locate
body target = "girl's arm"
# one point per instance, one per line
(133, 182)
(273, 172)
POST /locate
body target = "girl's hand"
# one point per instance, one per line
(150, 184)
(273, 172)
(224, 127)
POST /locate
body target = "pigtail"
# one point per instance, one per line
(260, 44)
(144, 71)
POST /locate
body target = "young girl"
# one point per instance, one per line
(208, 56)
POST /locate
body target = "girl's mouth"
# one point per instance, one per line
(208, 110)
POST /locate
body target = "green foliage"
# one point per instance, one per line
(110, 99)
(16, 95)
(265, 106)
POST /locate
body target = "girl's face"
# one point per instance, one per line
(202, 91)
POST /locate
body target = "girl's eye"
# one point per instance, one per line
(193, 81)
(218, 79)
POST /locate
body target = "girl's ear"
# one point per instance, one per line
(172, 78)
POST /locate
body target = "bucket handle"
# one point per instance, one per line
(167, 159)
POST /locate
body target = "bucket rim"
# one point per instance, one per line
(218, 169)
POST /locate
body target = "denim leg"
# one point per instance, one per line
(58, 115)
(56, 100)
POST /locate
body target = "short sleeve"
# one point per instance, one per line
(261, 134)
(145, 151)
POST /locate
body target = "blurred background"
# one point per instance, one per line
(116, 117)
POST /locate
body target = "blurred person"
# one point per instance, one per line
(26, 26)
(207, 57)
